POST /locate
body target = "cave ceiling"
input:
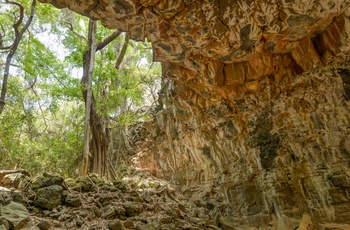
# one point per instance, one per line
(220, 49)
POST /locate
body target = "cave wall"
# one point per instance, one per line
(268, 157)
(255, 104)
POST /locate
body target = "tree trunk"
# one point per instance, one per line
(99, 143)
(88, 69)
(97, 152)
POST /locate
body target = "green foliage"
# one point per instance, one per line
(127, 88)
(37, 132)
(42, 124)
(35, 137)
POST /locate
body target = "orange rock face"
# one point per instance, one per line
(256, 104)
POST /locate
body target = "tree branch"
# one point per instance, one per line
(31, 86)
(123, 51)
(18, 38)
(15, 25)
(71, 28)
(107, 40)
(20, 20)
(1, 36)
(128, 58)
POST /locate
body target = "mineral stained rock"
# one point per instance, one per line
(255, 104)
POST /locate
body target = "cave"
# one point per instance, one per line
(255, 105)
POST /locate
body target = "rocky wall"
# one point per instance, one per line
(264, 159)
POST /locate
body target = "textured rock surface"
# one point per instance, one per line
(133, 202)
(255, 104)
(13, 214)
(48, 197)
(270, 157)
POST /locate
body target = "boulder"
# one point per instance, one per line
(13, 179)
(46, 180)
(14, 214)
(17, 196)
(44, 225)
(73, 200)
(4, 223)
(48, 197)
(132, 209)
(116, 225)
(108, 213)
(5, 197)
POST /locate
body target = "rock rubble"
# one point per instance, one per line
(138, 201)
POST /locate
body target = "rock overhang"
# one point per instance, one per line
(225, 30)
(220, 49)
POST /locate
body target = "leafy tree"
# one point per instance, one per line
(43, 121)
(18, 34)
(37, 88)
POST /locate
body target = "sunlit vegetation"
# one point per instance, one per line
(42, 122)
